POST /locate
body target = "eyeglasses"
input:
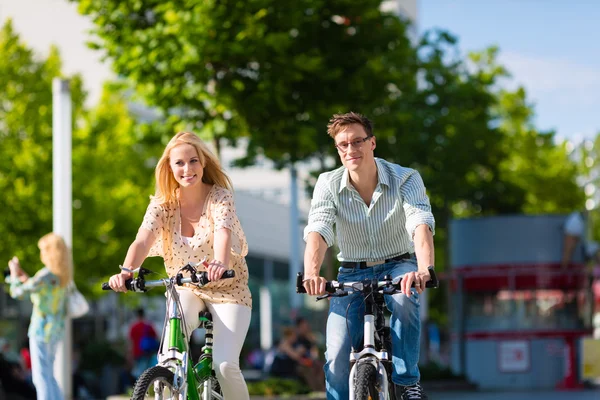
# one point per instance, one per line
(357, 144)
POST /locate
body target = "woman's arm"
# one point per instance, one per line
(222, 253)
(21, 285)
(136, 254)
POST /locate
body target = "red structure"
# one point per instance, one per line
(518, 315)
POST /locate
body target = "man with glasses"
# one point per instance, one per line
(384, 226)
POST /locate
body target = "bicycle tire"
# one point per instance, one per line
(364, 382)
(145, 383)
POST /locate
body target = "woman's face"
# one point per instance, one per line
(185, 165)
(44, 255)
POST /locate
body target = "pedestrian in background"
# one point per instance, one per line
(47, 290)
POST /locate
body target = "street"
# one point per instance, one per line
(555, 395)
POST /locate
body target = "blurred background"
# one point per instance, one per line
(494, 103)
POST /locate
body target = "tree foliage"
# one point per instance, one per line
(112, 168)
(277, 70)
(26, 143)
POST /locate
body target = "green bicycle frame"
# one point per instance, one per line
(176, 340)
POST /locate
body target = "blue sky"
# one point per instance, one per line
(551, 47)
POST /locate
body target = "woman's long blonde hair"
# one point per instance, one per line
(57, 256)
(166, 185)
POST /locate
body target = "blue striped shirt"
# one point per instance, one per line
(381, 230)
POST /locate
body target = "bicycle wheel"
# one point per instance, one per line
(155, 383)
(364, 382)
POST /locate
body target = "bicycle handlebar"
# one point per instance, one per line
(333, 288)
(139, 284)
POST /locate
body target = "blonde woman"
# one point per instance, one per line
(48, 292)
(192, 216)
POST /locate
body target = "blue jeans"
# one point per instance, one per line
(405, 329)
(42, 369)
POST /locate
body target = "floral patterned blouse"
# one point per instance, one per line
(164, 220)
(49, 304)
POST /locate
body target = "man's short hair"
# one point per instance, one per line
(339, 121)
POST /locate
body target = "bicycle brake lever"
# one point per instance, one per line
(389, 290)
(323, 296)
(189, 267)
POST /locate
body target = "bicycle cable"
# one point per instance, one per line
(364, 299)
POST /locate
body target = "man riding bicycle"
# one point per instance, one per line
(384, 226)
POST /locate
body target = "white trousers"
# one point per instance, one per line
(230, 326)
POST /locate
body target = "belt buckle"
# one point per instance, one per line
(374, 263)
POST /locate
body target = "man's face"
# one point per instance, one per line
(355, 147)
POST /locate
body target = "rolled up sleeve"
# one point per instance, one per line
(321, 217)
(416, 204)
(19, 289)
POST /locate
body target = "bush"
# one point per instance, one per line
(277, 387)
(433, 371)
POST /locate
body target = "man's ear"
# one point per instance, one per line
(374, 143)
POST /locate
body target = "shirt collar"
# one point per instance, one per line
(382, 176)
(345, 182)
(382, 172)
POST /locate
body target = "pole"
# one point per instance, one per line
(266, 307)
(62, 219)
(294, 260)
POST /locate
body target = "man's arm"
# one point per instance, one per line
(424, 247)
(314, 255)
(420, 225)
(318, 235)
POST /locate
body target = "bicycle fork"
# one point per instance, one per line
(370, 355)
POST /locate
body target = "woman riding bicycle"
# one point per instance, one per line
(190, 217)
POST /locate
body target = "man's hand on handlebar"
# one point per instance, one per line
(117, 281)
(314, 285)
(419, 278)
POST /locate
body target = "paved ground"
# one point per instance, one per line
(566, 395)
(474, 395)
(562, 395)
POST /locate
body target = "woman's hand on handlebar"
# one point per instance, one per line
(420, 278)
(314, 285)
(215, 270)
(117, 281)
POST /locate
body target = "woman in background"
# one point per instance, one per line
(48, 292)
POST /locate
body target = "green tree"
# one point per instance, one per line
(26, 143)
(277, 70)
(533, 163)
(536, 163)
(113, 176)
(112, 165)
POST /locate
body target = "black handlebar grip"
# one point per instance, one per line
(433, 281)
(203, 276)
(105, 285)
(299, 287)
(228, 274)
(329, 287)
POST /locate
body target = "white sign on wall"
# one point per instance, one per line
(514, 356)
